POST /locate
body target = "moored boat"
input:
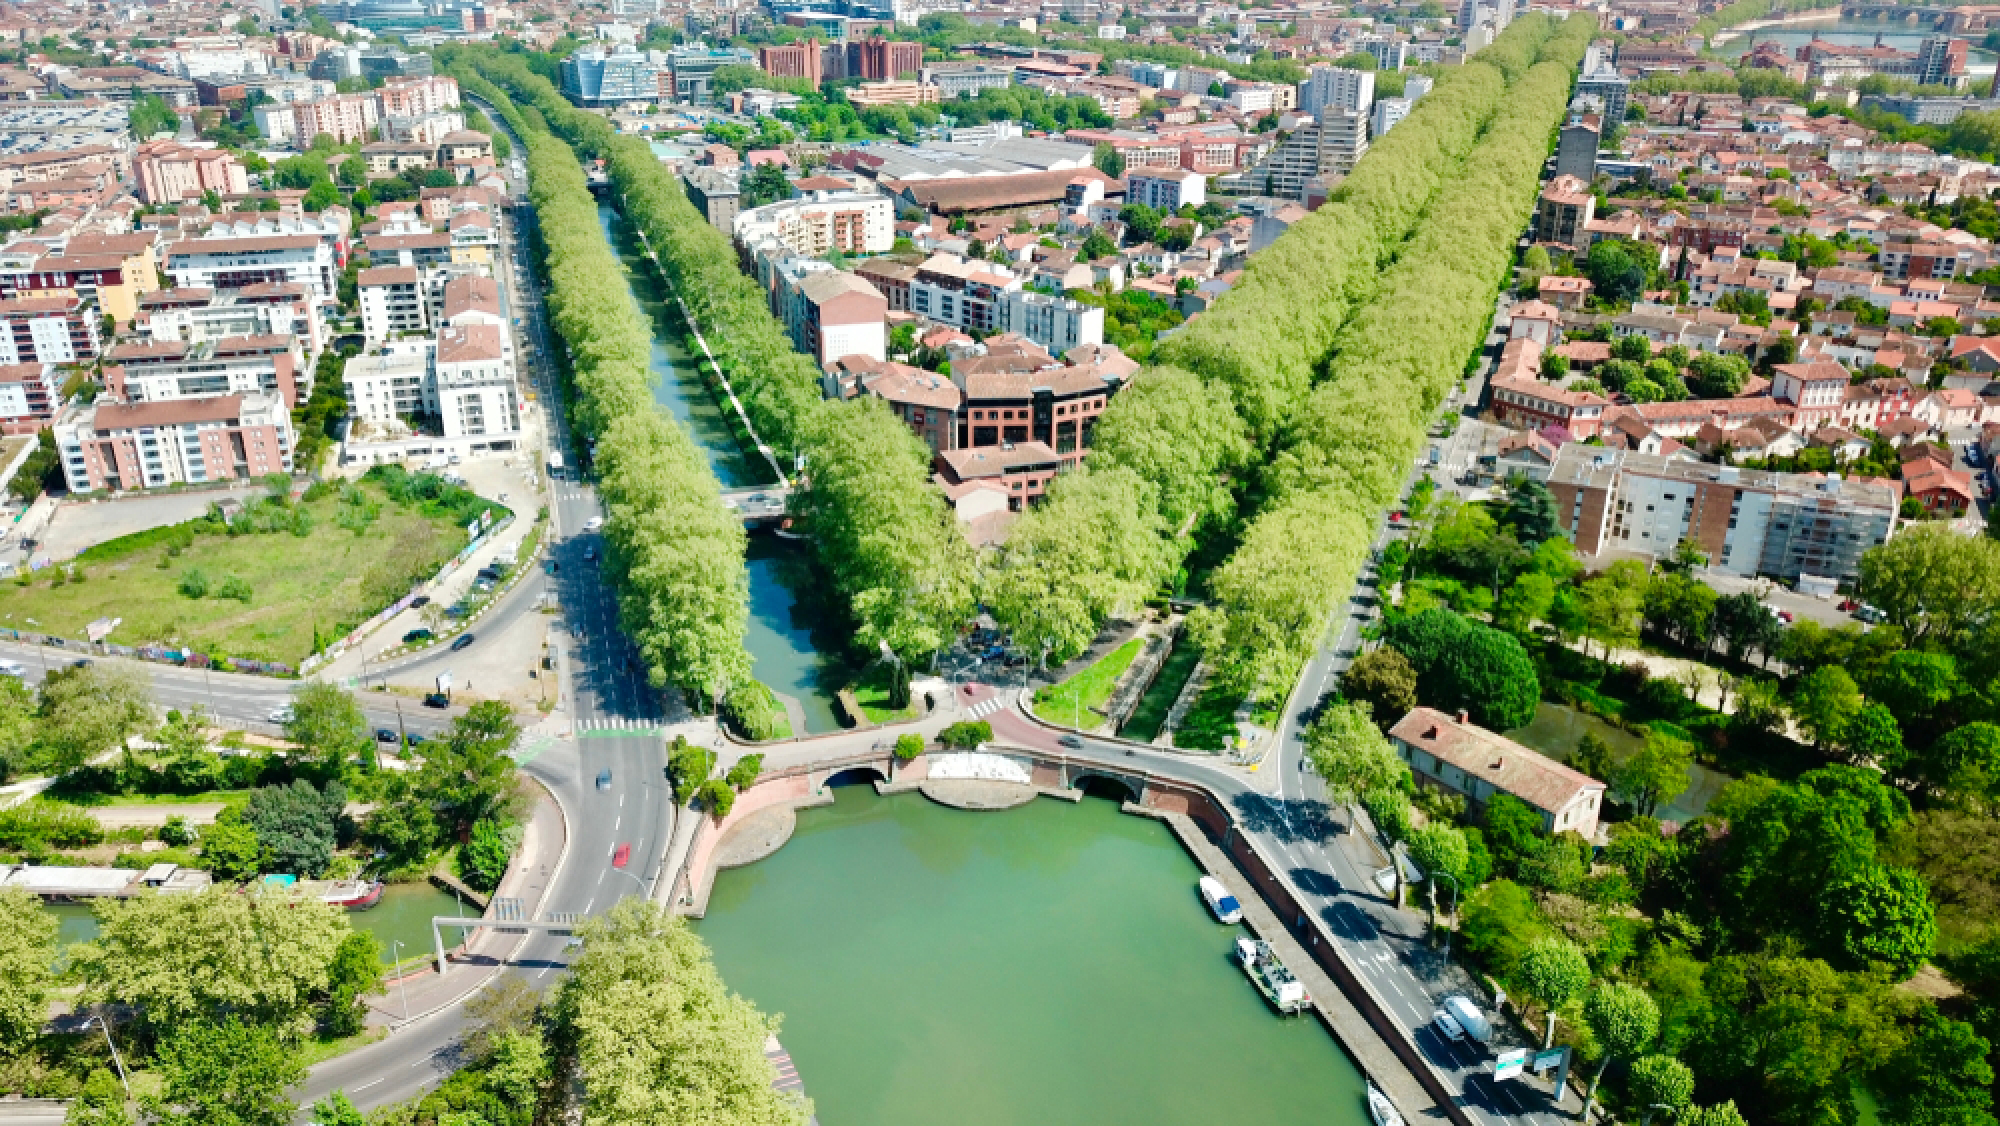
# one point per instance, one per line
(1219, 901)
(1271, 977)
(1380, 1109)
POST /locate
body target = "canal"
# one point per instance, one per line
(1901, 35)
(1050, 964)
(791, 641)
(401, 922)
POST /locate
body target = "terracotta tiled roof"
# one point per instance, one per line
(1501, 762)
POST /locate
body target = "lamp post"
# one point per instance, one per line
(634, 879)
(396, 957)
(115, 1058)
(1454, 910)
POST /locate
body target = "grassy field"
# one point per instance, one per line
(1075, 701)
(1151, 714)
(314, 570)
(872, 693)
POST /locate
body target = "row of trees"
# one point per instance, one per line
(886, 539)
(1233, 379)
(672, 551)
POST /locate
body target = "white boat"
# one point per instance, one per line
(1271, 977)
(1226, 909)
(1380, 1109)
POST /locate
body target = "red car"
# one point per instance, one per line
(621, 857)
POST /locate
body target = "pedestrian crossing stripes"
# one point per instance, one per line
(617, 725)
(986, 707)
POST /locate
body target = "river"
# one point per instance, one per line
(782, 626)
(1902, 36)
(1051, 964)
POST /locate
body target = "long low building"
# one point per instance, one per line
(1449, 753)
(51, 882)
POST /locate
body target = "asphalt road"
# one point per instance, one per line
(606, 695)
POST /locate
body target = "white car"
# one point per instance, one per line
(13, 668)
(593, 523)
(282, 716)
(1447, 1026)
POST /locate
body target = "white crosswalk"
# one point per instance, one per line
(987, 707)
(618, 723)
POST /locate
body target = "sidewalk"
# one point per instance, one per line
(528, 879)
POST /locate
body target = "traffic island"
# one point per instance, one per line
(979, 794)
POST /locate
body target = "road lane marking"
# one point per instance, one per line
(366, 1085)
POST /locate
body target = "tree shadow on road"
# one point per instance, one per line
(1299, 821)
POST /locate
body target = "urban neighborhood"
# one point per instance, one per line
(540, 540)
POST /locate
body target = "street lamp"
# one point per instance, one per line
(634, 879)
(402, 987)
(115, 1058)
(1454, 910)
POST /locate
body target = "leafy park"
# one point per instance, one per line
(274, 581)
(1823, 937)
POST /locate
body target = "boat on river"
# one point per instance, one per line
(1271, 977)
(353, 895)
(1380, 1109)
(1223, 904)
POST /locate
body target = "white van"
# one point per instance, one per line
(13, 668)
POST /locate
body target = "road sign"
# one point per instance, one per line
(1510, 1064)
(1546, 1060)
(444, 681)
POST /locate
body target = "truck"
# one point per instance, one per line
(1459, 1017)
(555, 465)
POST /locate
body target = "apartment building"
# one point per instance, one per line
(198, 315)
(418, 97)
(48, 330)
(169, 172)
(157, 371)
(29, 395)
(1333, 87)
(344, 117)
(1564, 210)
(460, 381)
(1024, 470)
(225, 261)
(880, 60)
(1448, 753)
(831, 314)
(110, 271)
(392, 303)
(1749, 522)
(1057, 323)
(1166, 190)
(1321, 151)
(827, 215)
(963, 294)
(1530, 404)
(123, 446)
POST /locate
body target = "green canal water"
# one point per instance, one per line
(1051, 964)
(1556, 729)
(404, 915)
(782, 624)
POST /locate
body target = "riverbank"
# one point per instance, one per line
(1823, 15)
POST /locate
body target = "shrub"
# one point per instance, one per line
(235, 586)
(688, 766)
(744, 774)
(753, 712)
(176, 832)
(966, 735)
(38, 826)
(909, 746)
(483, 860)
(194, 584)
(716, 797)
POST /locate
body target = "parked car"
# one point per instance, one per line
(417, 635)
(464, 640)
(384, 735)
(437, 700)
(413, 739)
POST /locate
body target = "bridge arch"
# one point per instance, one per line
(853, 776)
(1115, 786)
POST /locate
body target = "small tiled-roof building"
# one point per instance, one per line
(1455, 755)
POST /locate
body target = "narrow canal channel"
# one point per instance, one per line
(787, 655)
(1051, 964)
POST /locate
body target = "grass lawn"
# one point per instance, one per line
(319, 1049)
(1211, 720)
(1151, 714)
(1083, 694)
(323, 582)
(871, 691)
(70, 797)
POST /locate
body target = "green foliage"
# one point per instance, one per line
(744, 774)
(483, 860)
(356, 969)
(1655, 775)
(327, 727)
(230, 848)
(661, 1035)
(1660, 1080)
(909, 747)
(86, 711)
(754, 713)
(716, 796)
(297, 825)
(1383, 679)
(1462, 664)
(966, 734)
(1350, 755)
(37, 826)
(223, 1072)
(27, 967)
(150, 114)
(688, 766)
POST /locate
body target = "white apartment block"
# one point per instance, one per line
(392, 303)
(461, 380)
(1328, 147)
(1387, 113)
(48, 330)
(344, 117)
(276, 123)
(820, 221)
(428, 129)
(1166, 189)
(418, 97)
(200, 315)
(1338, 88)
(220, 260)
(1058, 324)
